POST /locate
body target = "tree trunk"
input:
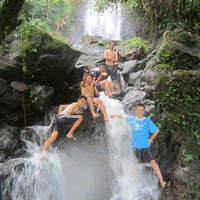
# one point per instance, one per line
(8, 16)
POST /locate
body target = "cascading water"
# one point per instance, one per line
(82, 169)
(112, 23)
(130, 179)
(107, 23)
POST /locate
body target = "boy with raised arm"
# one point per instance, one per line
(67, 115)
(88, 89)
(103, 83)
(141, 127)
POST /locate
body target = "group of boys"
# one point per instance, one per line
(93, 83)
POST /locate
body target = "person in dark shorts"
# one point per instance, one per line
(102, 80)
(111, 57)
(68, 115)
(140, 128)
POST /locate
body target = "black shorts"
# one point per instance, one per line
(99, 88)
(64, 123)
(112, 71)
(143, 155)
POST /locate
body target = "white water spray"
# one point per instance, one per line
(113, 23)
(81, 169)
(130, 179)
(107, 23)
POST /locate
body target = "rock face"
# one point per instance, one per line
(171, 97)
(47, 61)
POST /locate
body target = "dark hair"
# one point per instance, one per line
(112, 41)
(102, 64)
(82, 97)
(140, 105)
(91, 74)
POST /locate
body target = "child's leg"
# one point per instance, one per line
(102, 108)
(110, 83)
(91, 107)
(105, 86)
(50, 140)
(157, 171)
(75, 125)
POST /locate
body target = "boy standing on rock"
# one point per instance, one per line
(140, 128)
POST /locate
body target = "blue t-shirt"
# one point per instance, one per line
(140, 130)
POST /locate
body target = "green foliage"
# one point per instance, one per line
(166, 15)
(194, 186)
(35, 101)
(102, 5)
(46, 14)
(179, 97)
(189, 157)
(134, 43)
(167, 55)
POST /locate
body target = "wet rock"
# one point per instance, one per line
(90, 39)
(9, 139)
(91, 54)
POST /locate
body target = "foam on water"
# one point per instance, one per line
(83, 169)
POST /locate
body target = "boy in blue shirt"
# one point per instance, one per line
(140, 128)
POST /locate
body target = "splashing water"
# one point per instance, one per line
(130, 179)
(82, 169)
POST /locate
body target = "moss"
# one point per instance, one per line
(33, 38)
(104, 43)
(179, 96)
(167, 54)
(184, 38)
(161, 67)
(134, 43)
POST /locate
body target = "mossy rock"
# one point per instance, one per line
(45, 59)
(178, 97)
(135, 43)
(134, 49)
(180, 51)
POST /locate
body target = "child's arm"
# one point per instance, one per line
(153, 136)
(96, 92)
(116, 116)
(74, 110)
(61, 108)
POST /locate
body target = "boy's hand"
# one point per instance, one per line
(150, 140)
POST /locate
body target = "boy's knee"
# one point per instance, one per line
(80, 118)
(89, 99)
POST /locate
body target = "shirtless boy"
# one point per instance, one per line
(111, 58)
(67, 115)
(88, 89)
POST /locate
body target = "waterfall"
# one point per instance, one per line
(85, 169)
(131, 180)
(111, 24)
(107, 23)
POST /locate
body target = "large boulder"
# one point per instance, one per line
(36, 56)
(9, 140)
(91, 54)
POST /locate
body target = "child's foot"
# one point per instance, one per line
(71, 137)
(166, 184)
